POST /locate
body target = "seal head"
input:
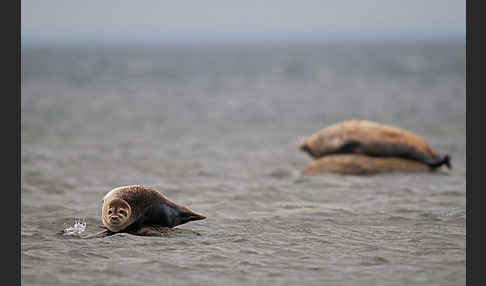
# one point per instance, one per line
(116, 215)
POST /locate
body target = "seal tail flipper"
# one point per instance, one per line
(445, 160)
(191, 216)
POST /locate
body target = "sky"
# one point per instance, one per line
(152, 21)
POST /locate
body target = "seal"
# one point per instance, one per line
(357, 164)
(142, 210)
(373, 139)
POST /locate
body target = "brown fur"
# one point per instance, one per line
(355, 164)
(139, 199)
(373, 139)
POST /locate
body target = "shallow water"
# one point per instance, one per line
(216, 129)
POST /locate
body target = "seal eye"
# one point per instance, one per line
(110, 212)
(122, 212)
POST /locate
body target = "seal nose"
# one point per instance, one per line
(114, 218)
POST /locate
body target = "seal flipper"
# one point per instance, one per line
(445, 160)
(168, 215)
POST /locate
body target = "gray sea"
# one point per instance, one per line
(215, 128)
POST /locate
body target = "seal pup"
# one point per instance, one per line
(357, 164)
(142, 210)
(373, 139)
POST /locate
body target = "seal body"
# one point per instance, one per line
(137, 209)
(371, 139)
(357, 164)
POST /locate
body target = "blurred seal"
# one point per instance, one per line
(142, 210)
(372, 139)
(356, 164)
